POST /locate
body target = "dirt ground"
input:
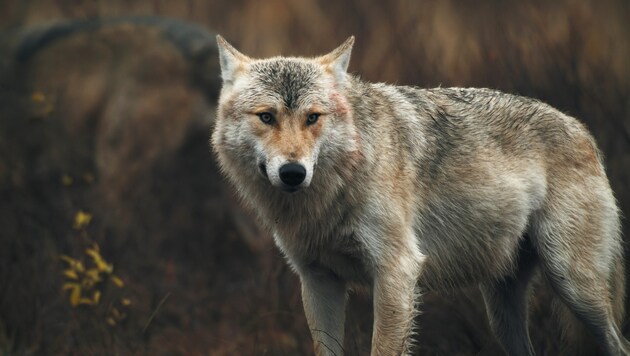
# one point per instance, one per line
(119, 235)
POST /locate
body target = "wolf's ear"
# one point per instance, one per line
(231, 60)
(339, 59)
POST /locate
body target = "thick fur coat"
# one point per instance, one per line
(404, 189)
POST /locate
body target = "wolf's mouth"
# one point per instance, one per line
(290, 190)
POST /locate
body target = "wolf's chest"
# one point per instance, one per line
(338, 252)
(347, 260)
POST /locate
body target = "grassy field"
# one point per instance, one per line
(119, 236)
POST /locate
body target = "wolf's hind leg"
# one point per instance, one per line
(575, 338)
(506, 305)
(579, 250)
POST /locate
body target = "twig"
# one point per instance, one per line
(146, 326)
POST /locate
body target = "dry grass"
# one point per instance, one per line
(115, 122)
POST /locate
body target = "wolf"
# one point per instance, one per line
(405, 190)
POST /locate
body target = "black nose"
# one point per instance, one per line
(292, 174)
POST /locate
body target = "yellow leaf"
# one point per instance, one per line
(111, 321)
(82, 219)
(125, 301)
(70, 274)
(96, 297)
(117, 281)
(38, 97)
(74, 264)
(86, 301)
(100, 263)
(93, 275)
(117, 315)
(75, 296)
(67, 259)
(89, 282)
(70, 285)
(66, 180)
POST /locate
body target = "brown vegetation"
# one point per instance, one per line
(114, 121)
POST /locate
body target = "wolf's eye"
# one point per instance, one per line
(266, 117)
(312, 118)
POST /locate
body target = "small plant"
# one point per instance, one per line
(43, 106)
(87, 277)
(84, 283)
(82, 219)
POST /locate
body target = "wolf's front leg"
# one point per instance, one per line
(324, 299)
(395, 297)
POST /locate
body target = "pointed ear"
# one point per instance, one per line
(230, 59)
(339, 59)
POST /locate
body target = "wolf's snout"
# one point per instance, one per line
(292, 174)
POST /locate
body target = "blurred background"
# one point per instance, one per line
(119, 236)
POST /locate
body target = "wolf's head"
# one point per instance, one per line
(283, 120)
